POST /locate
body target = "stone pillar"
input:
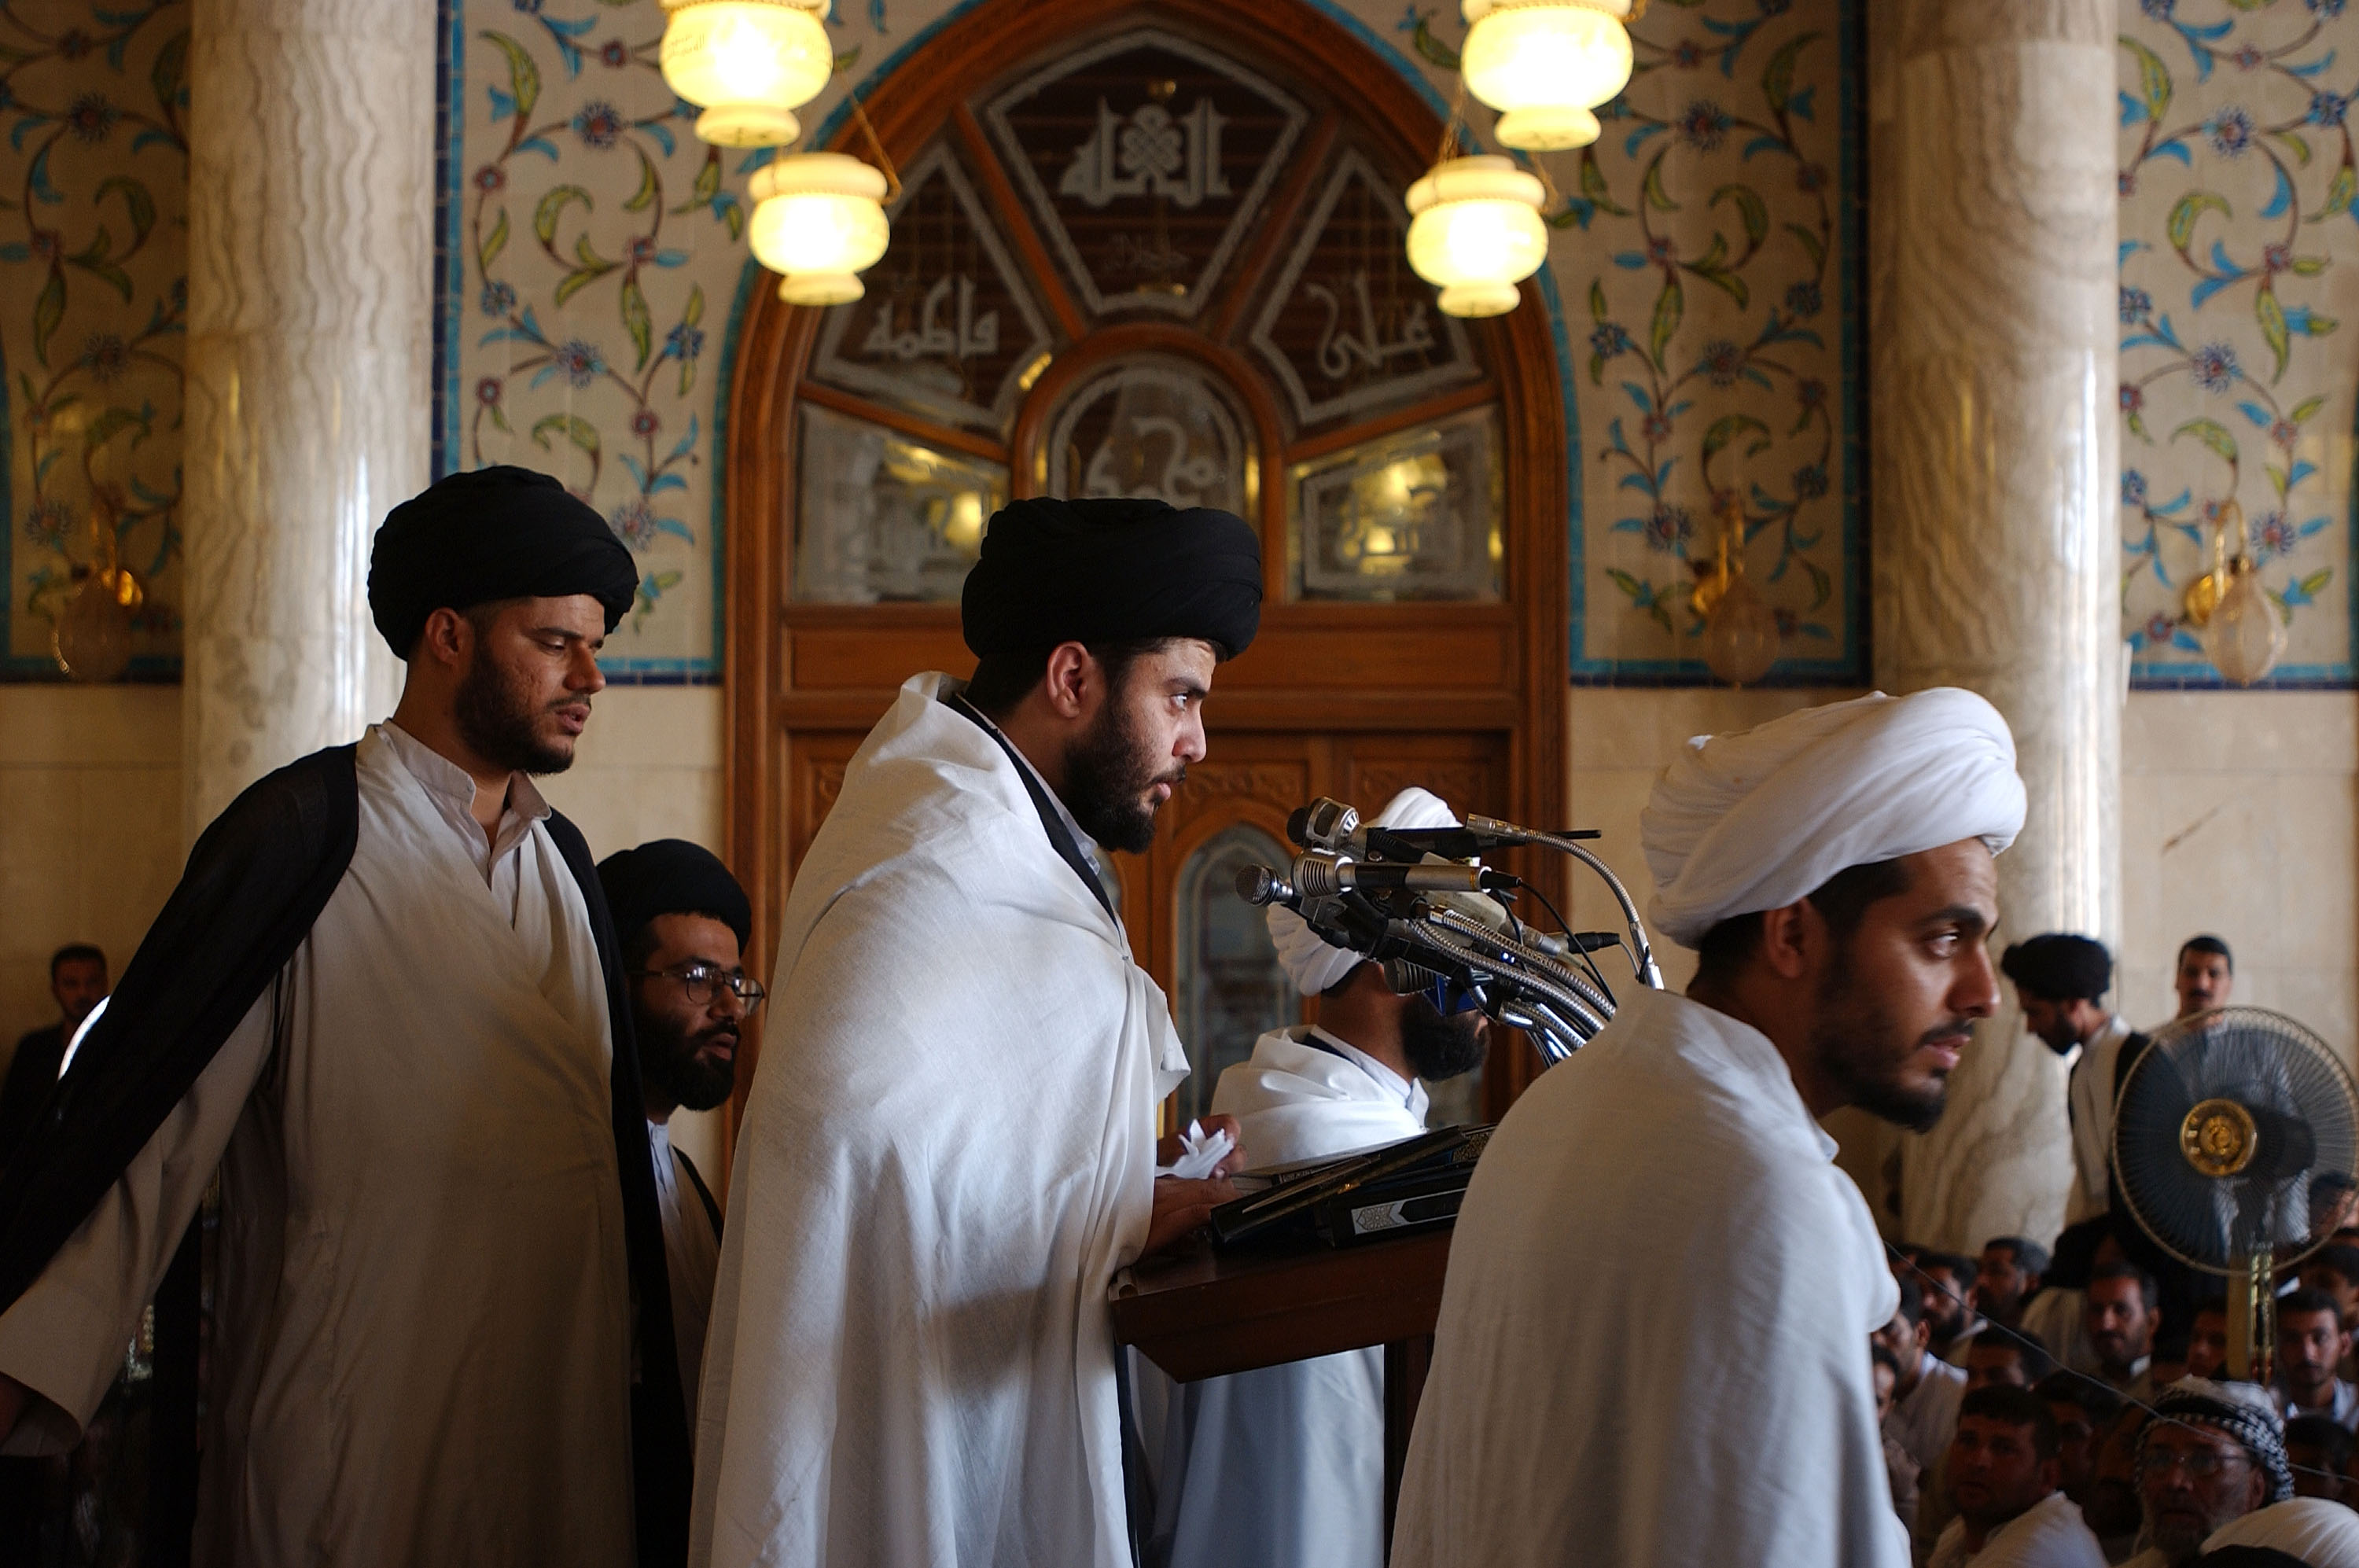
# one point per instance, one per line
(1996, 540)
(310, 295)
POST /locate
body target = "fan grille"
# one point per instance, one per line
(2221, 1127)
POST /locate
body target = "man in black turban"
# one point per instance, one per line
(1095, 626)
(2060, 983)
(386, 1004)
(899, 1260)
(683, 921)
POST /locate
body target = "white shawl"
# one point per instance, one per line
(947, 1152)
(1653, 1345)
(1283, 1466)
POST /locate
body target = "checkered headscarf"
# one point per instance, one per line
(2243, 1410)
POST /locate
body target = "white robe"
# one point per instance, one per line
(949, 1151)
(1653, 1342)
(691, 1256)
(421, 1345)
(2089, 1094)
(2049, 1534)
(1284, 1467)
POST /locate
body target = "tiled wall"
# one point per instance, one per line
(93, 294)
(2237, 293)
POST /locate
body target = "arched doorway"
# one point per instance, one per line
(1158, 249)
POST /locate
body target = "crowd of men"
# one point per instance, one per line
(383, 1100)
(2074, 1406)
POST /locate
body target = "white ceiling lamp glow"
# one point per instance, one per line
(819, 219)
(1547, 65)
(1475, 229)
(749, 64)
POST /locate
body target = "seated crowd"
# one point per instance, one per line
(2077, 1405)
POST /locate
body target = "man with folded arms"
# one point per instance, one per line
(1655, 1358)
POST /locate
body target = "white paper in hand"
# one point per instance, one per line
(1200, 1155)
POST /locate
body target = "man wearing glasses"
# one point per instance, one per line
(683, 921)
(2213, 1453)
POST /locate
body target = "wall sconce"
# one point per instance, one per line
(93, 639)
(2246, 633)
(1739, 629)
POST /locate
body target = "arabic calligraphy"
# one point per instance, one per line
(1339, 352)
(970, 337)
(1188, 478)
(1149, 152)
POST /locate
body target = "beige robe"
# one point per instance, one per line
(421, 1346)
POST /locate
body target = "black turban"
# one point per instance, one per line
(2059, 968)
(489, 534)
(672, 876)
(1111, 571)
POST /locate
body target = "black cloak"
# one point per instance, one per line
(254, 883)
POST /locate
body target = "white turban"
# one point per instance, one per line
(2321, 1533)
(1311, 963)
(1762, 818)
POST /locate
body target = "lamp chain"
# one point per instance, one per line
(892, 176)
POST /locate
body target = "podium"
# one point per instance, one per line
(1202, 1313)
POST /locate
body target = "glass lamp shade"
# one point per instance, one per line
(2246, 633)
(819, 219)
(1740, 636)
(748, 63)
(93, 637)
(1546, 65)
(1475, 229)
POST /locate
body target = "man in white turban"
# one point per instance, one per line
(1652, 1342)
(1284, 1467)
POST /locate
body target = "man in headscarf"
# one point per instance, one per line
(2213, 1453)
(2061, 980)
(950, 1148)
(1650, 1349)
(682, 921)
(1284, 1467)
(385, 1004)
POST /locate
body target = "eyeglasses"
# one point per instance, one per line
(2201, 1464)
(700, 979)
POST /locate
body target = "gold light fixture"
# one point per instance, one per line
(749, 64)
(1739, 629)
(93, 639)
(819, 219)
(1475, 229)
(1546, 65)
(2244, 630)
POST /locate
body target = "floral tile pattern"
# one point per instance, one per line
(93, 297)
(592, 248)
(1707, 252)
(2238, 185)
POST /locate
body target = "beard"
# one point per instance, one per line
(1108, 772)
(1857, 1046)
(1439, 1047)
(668, 1060)
(495, 716)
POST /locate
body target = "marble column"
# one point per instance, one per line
(1996, 541)
(310, 272)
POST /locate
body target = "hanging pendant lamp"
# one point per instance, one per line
(819, 219)
(749, 64)
(1547, 65)
(1475, 229)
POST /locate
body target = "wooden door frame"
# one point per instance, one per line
(925, 96)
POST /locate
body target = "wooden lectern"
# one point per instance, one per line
(1205, 1313)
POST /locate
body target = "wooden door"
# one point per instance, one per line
(1159, 250)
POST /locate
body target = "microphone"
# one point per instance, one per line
(1327, 876)
(1259, 885)
(1325, 823)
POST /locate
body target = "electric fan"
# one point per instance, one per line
(2221, 1129)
